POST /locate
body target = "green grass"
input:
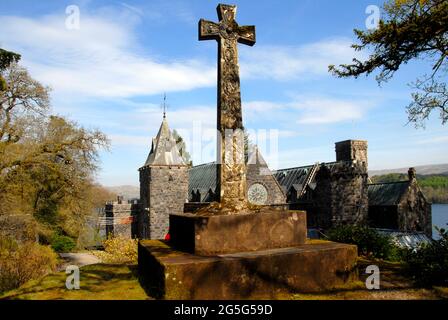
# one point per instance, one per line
(120, 282)
(97, 282)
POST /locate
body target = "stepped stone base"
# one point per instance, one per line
(209, 235)
(311, 267)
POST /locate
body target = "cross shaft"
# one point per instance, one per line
(231, 172)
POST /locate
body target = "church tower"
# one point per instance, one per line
(163, 185)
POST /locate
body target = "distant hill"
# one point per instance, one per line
(128, 192)
(439, 169)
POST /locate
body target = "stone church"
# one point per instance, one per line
(331, 193)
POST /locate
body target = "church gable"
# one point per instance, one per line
(262, 186)
(202, 182)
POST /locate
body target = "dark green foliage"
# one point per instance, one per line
(428, 265)
(61, 243)
(370, 243)
(391, 177)
(7, 57)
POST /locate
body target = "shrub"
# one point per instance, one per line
(61, 243)
(428, 265)
(118, 250)
(22, 262)
(370, 243)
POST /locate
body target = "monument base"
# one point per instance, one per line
(312, 267)
(209, 235)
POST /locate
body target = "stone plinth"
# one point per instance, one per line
(219, 234)
(170, 274)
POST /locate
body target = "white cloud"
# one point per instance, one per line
(129, 140)
(102, 59)
(434, 140)
(291, 62)
(323, 110)
(308, 109)
(261, 106)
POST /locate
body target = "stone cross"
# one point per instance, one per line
(231, 172)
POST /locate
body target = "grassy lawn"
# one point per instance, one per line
(120, 282)
(97, 282)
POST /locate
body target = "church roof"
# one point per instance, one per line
(387, 194)
(298, 177)
(293, 177)
(164, 149)
(202, 178)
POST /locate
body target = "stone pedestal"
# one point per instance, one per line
(218, 234)
(248, 255)
(171, 274)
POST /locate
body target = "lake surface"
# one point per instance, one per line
(439, 218)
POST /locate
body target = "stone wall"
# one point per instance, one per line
(163, 191)
(349, 195)
(143, 218)
(341, 193)
(351, 150)
(121, 219)
(414, 212)
(319, 213)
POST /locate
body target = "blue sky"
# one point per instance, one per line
(111, 74)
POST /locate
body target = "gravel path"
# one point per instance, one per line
(78, 259)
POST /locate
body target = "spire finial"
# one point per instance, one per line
(164, 105)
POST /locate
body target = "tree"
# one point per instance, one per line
(47, 162)
(6, 59)
(413, 29)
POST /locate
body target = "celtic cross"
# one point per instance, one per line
(231, 173)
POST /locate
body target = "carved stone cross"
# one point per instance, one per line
(231, 172)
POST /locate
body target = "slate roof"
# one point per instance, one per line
(387, 194)
(297, 177)
(202, 178)
(408, 240)
(164, 150)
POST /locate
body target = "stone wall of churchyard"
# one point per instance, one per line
(414, 212)
(163, 191)
(259, 173)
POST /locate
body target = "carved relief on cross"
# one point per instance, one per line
(231, 174)
(227, 32)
